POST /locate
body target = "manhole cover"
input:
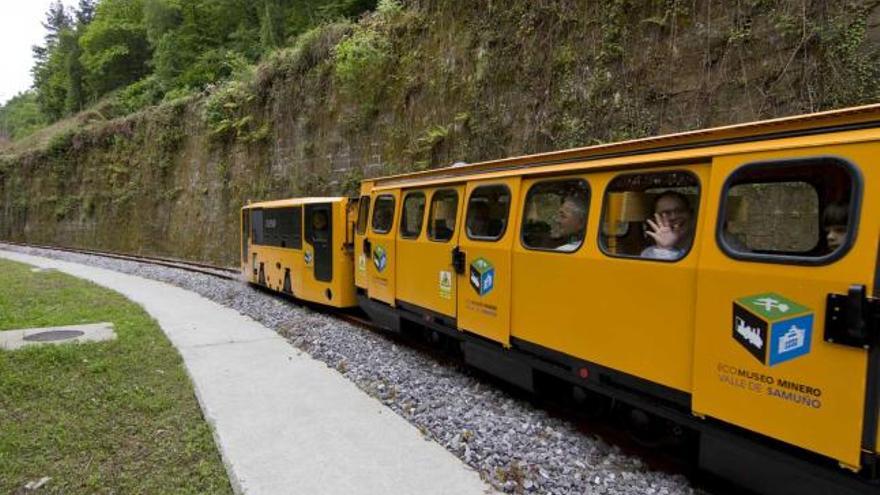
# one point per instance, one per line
(54, 335)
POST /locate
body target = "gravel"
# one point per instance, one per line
(516, 447)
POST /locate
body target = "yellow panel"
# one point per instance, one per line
(620, 313)
(425, 276)
(815, 401)
(383, 259)
(487, 313)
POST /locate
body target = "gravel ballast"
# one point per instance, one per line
(516, 447)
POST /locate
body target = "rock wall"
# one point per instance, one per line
(424, 84)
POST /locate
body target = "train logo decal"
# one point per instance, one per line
(307, 257)
(772, 328)
(482, 276)
(380, 258)
(445, 284)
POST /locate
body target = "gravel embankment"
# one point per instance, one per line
(516, 447)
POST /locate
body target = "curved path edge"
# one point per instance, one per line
(283, 422)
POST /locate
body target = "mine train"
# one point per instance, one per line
(698, 278)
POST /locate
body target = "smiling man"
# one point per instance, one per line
(672, 227)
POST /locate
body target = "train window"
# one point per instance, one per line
(798, 211)
(279, 227)
(413, 215)
(383, 214)
(295, 227)
(487, 212)
(650, 215)
(555, 215)
(441, 219)
(363, 215)
(319, 226)
(257, 226)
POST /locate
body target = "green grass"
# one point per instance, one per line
(110, 417)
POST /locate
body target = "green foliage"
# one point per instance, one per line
(21, 116)
(361, 63)
(115, 47)
(161, 47)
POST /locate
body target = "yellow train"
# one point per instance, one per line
(725, 280)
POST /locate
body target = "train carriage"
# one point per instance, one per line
(699, 277)
(301, 247)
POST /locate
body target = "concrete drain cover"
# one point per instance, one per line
(53, 335)
(94, 332)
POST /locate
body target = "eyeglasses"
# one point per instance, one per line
(673, 211)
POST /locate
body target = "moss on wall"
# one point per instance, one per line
(424, 84)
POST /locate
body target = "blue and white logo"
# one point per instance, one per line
(380, 259)
(790, 339)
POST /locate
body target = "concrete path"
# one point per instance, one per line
(284, 422)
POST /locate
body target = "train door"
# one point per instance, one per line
(319, 236)
(780, 350)
(360, 241)
(483, 260)
(425, 275)
(380, 246)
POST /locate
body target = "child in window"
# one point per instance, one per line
(835, 219)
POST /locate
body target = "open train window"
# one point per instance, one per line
(801, 211)
(441, 218)
(383, 214)
(487, 212)
(363, 215)
(651, 215)
(413, 215)
(555, 215)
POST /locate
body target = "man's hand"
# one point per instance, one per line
(662, 233)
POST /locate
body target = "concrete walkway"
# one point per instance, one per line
(284, 422)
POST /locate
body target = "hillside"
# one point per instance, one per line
(420, 84)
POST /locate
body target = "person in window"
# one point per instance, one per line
(478, 220)
(319, 225)
(672, 227)
(835, 219)
(568, 225)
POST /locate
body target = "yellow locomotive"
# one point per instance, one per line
(725, 280)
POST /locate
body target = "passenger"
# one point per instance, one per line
(568, 225)
(672, 227)
(478, 220)
(835, 220)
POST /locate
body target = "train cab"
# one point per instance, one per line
(725, 280)
(301, 247)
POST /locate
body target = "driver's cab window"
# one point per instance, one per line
(650, 216)
(320, 226)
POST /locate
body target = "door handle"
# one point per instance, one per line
(853, 319)
(368, 248)
(458, 260)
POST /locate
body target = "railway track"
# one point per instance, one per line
(600, 421)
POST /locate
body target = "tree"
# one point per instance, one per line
(115, 50)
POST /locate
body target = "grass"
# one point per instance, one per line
(110, 417)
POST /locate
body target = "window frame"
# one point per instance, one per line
(599, 237)
(467, 212)
(363, 207)
(525, 205)
(373, 216)
(428, 232)
(856, 187)
(403, 215)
